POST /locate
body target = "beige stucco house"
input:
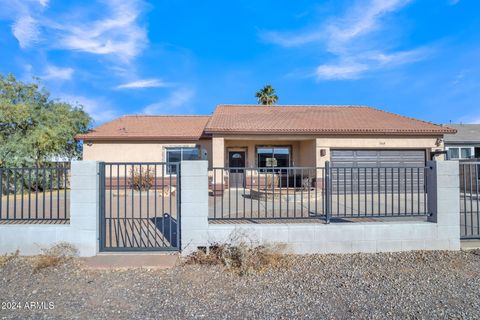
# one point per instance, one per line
(270, 136)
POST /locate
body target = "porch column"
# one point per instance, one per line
(218, 152)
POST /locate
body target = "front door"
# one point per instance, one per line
(236, 160)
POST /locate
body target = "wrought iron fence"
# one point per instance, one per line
(266, 193)
(469, 200)
(140, 206)
(316, 192)
(35, 194)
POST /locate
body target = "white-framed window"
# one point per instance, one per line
(174, 155)
(456, 153)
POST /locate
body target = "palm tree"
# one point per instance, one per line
(266, 96)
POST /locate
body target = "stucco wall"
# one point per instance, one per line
(142, 151)
(306, 149)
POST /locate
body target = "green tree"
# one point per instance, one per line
(266, 95)
(34, 129)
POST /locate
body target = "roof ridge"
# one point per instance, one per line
(292, 105)
(164, 115)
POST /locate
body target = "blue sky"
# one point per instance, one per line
(417, 58)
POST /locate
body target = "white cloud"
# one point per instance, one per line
(354, 39)
(52, 72)
(340, 71)
(117, 33)
(99, 109)
(25, 30)
(145, 83)
(177, 99)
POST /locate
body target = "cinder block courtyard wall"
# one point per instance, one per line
(82, 232)
(440, 232)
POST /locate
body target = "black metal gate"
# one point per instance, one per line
(140, 206)
(469, 200)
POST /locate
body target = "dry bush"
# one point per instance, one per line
(7, 258)
(54, 256)
(141, 179)
(242, 257)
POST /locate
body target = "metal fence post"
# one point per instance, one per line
(101, 195)
(328, 192)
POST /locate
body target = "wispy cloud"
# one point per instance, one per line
(53, 72)
(179, 98)
(25, 30)
(99, 108)
(354, 39)
(453, 2)
(116, 31)
(145, 83)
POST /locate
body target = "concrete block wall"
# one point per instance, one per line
(194, 205)
(82, 231)
(440, 232)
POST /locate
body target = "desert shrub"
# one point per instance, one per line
(6, 258)
(241, 258)
(141, 179)
(54, 256)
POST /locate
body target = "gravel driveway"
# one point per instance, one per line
(423, 285)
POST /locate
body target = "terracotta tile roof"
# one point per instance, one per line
(138, 127)
(256, 119)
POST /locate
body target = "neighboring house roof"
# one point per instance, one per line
(466, 133)
(149, 128)
(254, 119)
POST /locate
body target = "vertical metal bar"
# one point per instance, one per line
(406, 191)
(148, 185)
(36, 192)
(425, 209)
(398, 191)
(351, 191)
(164, 172)
(358, 191)
(244, 183)
(316, 190)
(170, 204)
(1, 193)
(8, 193)
(309, 180)
(58, 189)
(393, 187)
(379, 185)
(273, 193)
(132, 214)
(236, 193)
(471, 196)
(117, 233)
(223, 187)
(280, 192)
(214, 178)
(464, 198)
(102, 205)
(251, 188)
(266, 190)
(372, 192)
(179, 213)
(15, 194)
(65, 186)
(110, 204)
(288, 187)
(477, 195)
(418, 190)
(22, 181)
(365, 190)
(51, 191)
(411, 190)
(327, 192)
(337, 174)
(44, 189)
(29, 194)
(294, 192)
(301, 192)
(125, 208)
(344, 191)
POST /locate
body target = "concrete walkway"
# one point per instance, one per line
(470, 244)
(132, 260)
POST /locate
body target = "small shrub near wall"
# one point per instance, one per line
(141, 179)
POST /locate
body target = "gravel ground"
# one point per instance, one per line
(419, 285)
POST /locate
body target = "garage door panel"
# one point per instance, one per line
(377, 170)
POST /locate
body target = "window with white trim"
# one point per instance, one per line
(455, 153)
(176, 154)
